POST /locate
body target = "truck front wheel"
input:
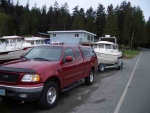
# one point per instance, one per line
(90, 79)
(49, 96)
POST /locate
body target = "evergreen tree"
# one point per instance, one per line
(125, 22)
(120, 12)
(128, 27)
(26, 20)
(79, 19)
(139, 27)
(50, 15)
(90, 20)
(148, 31)
(100, 20)
(34, 19)
(111, 27)
(64, 17)
(75, 17)
(44, 20)
(56, 17)
(4, 24)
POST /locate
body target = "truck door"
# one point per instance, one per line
(79, 63)
(68, 69)
(87, 61)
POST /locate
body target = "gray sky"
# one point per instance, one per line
(144, 4)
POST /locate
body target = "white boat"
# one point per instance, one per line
(107, 52)
(12, 47)
(35, 41)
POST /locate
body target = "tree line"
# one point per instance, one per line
(125, 22)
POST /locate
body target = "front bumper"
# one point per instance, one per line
(22, 93)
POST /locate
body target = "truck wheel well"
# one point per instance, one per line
(54, 79)
(93, 68)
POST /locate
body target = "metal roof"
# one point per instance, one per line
(72, 31)
(43, 33)
(11, 37)
(35, 38)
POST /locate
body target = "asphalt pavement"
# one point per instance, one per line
(137, 99)
(114, 91)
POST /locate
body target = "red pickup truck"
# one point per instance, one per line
(45, 71)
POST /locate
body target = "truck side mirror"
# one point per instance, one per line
(22, 55)
(68, 59)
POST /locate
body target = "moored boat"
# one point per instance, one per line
(35, 41)
(12, 47)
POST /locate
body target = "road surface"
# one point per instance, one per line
(114, 91)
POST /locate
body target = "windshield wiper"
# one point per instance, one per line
(25, 58)
(39, 58)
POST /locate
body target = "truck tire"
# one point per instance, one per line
(49, 95)
(90, 79)
(5, 99)
(101, 67)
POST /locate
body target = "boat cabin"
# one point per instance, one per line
(105, 46)
(35, 40)
(11, 43)
(12, 39)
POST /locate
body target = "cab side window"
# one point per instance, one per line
(86, 52)
(93, 54)
(69, 52)
(78, 53)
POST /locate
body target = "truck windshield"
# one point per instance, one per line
(51, 53)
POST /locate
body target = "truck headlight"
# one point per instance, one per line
(30, 78)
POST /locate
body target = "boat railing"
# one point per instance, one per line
(13, 46)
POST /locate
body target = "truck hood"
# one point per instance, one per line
(29, 64)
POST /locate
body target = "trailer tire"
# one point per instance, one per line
(101, 67)
(121, 66)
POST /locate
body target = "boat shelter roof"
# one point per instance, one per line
(35, 38)
(11, 37)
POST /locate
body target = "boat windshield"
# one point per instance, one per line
(108, 46)
(39, 41)
(12, 40)
(47, 53)
(115, 46)
(101, 46)
(94, 46)
(98, 46)
(19, 40)
(30, 41)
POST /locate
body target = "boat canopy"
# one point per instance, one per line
(35, 38)
(11, 37)
(105, 42)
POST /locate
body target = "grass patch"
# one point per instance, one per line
(128, 54)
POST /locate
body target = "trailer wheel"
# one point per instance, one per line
(101, 67)
(120, 66)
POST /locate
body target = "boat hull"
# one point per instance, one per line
(12, 55)
(108, 58)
